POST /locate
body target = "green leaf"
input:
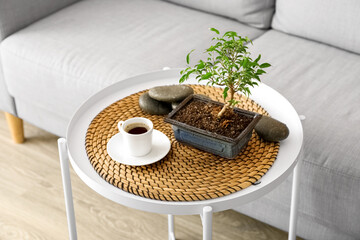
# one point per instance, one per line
(265, 65)
(189, 73)
(260, 71)
(245, 62)
(206, 76)
(226, 89)
(188, 56)
(252, 64)
(211, 49)
(183, 78)
(233, 102)
(258, 58)
(230, 34)
(200, 66)
(215, 30)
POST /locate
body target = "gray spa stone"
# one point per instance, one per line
(171, 93)
(271, 129)
(152, 106)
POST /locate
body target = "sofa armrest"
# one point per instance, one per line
(17, 14)
(6, 101)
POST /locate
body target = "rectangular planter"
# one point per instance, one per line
(211, 142)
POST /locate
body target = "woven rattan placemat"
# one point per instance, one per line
(186, 173)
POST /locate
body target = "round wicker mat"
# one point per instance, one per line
(186, 173)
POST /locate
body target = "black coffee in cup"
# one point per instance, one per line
(136, 128)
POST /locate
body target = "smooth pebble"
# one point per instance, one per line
(152, 106)
(271, 129)
(170, 93)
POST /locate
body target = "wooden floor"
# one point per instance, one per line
(32, 203)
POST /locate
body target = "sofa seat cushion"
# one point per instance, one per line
(322, 83)
(60, 61)
(16, 14)
(252, 12)
(328, 21)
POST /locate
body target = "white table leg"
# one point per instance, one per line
(65, 173)
(294, 201)
(171, 227)
(206, 218)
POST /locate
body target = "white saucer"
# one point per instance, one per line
(160, 147)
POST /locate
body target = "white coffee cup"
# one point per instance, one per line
(137, 136)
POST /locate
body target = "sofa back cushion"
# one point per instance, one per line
(333, 22)
(17, 14)
(256, 13)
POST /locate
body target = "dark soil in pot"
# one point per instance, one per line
(203, 115)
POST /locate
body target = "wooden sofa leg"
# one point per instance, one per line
(16, 127)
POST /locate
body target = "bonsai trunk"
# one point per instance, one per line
(227, 105)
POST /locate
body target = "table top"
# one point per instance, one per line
(272, 101)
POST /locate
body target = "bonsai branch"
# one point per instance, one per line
(228, 104)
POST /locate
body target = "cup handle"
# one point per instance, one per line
(120, 125)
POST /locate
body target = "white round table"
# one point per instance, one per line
(73, 148)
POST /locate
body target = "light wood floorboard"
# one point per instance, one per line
(32, 204)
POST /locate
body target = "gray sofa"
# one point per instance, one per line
(55, 54)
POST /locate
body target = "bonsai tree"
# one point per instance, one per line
(228, 65)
